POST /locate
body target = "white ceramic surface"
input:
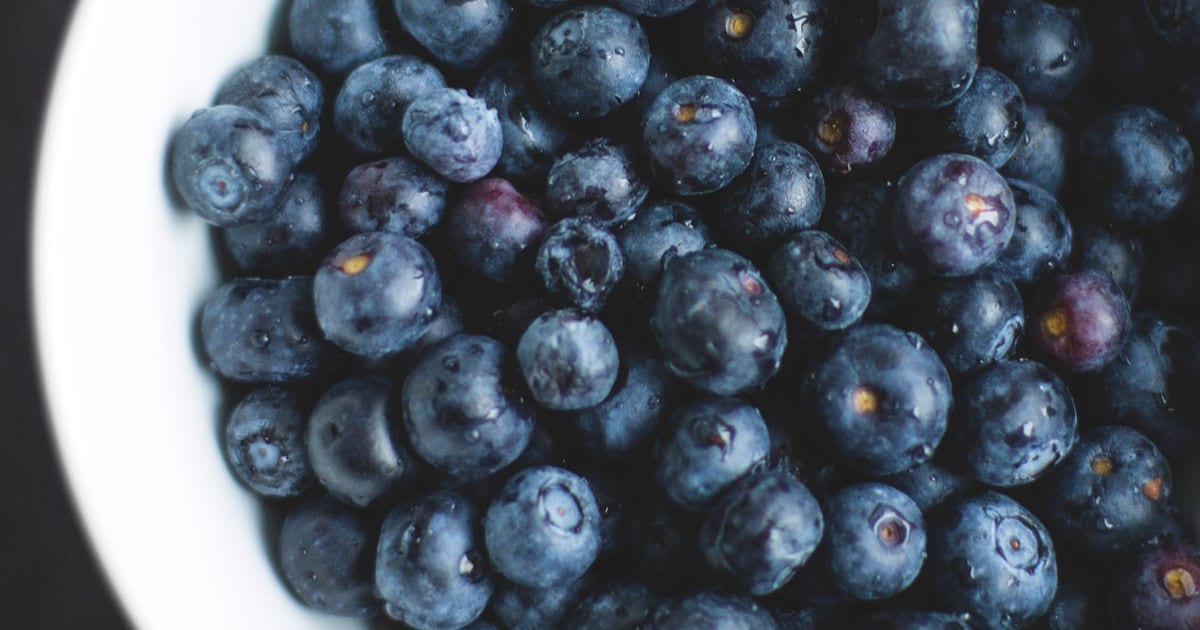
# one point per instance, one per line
(119, 273)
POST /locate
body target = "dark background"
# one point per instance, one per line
(48, 577)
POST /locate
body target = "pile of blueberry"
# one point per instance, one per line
(716, 314)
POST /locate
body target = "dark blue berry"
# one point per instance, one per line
(393, 195)
(618, 605)
(1117, 255)
(1043, 47)
(291, 241)
(288, 94)
(520, 607)
(616, 428)
(818, 281)
(335, 36)
(326, 554)
(1041, 240)
(1041, 156)
(972, 322)
(457, 136)
(660, 231)
(712, 610)
(780, 193)
(1176, 22)
(568, 359)
(533, 134)
(875, 536)
(458, 33)
(265, 442)
(600, 180)
(652, 8)
(988, 121)
(580, 262)
(930, 484)
(369, 110)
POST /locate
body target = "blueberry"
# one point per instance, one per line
(1080, 319)
(284, 91)
(717, 322)
(767, 49)
(352, 442)
(699, 134)
(265, 442)
(458, 136)
(705, 447)
(954, 214)
(1117, 255)
(460, 411)
(919, 55)
(1042, 237)
(580, 261)
(1108, 495)
(875, 536)
(712, 610)
(988, 121)
(600, 180)
(1043, 47)
(458, 33)
(914, 620)
(291, 241)
(335, 36)
(1176, 22)
(665, 544)
(972, 322)
(1079, 603)
(264, 331)
(568, 359)
(780, 193)
(533, 134)
(326, 554)
(618, 427)
(930, 484)
(992, 558)
(880, 397)
(1159, 591)
(542, 530)
(617, 605)
(230, 165)
(393, 195)
(369, 110)
(660, 231)
(818, 281)
(846, 128)
(1135, 166)
(428, 568)
(652, 8)
(588, 60)
(377, 293)
(762, 530)
(493, 229)
(1041, 156)
(1013, 421)
(520, 607)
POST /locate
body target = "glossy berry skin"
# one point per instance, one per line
(1013, 421)
(1135, 166)
(1041, 240)
(767, 49)
(699, 134)
(291, 241)
(543, 529)
(717, 323)
(569, 360)
(430, 570)
(761, 531)
(919, 55)
(377, 293)
(495, 230)
(875, 536)
(818, 281)
(1175, 22)
(458, 34)
(988, 121)
(972, 322)
(589, 60)
(599, 180)
(705, 446)
(369, 111)
(780, 193)
(991, 557)
(1117, 255)
(580, 262)
(460, 410)
(626, 421)
(393, 195)
(953, 214)
(264, 331)
(930, 484)
(880, 397)
(265, 442)
(847, 129)
(619, 605)
(653, 8)
(326, 550)
(712, 610)
(533, 134)
(1108, 495)
(352, 441)
(1041, 156)
(284, 91)
(230, 165)
(519, 607)
(660, 231)
(335, 36)
(1080, 319)
(457, 136)
(1043, 47)
(1158, 591)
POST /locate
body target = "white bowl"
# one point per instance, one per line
(118, 274)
